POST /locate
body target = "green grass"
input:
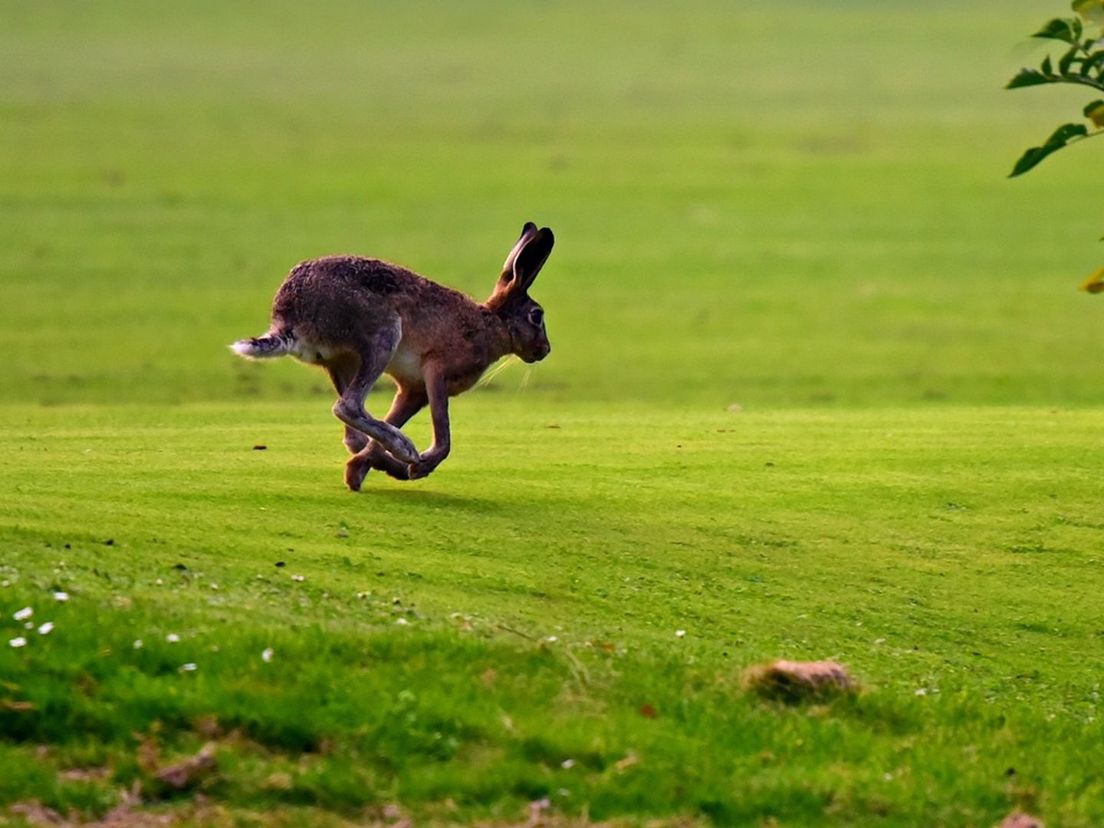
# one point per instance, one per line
(859, 536)
(796, 206)
(801, 210)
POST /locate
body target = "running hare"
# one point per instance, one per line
(359, 318)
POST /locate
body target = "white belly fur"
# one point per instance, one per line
(405, 364)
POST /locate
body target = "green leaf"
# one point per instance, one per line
(1095, 113)
(1028, 160)
(1030, 77)
(1046, 68)
(1067, 60)
(1057, 140)
(1093, 62)
(1065, 132)
(1061, 28)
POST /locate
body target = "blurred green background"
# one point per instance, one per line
(775, 204)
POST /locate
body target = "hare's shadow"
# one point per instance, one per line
(409, 496)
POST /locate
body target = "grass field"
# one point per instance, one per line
(821, 387)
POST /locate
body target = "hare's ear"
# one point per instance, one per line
(526, 259)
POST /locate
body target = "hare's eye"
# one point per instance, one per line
(536, 316)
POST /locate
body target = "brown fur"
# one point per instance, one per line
(797, 680)
(1021, 820)
(361, 317)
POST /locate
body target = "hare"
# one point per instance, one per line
(359, 318)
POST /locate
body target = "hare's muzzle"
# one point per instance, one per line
(542, 350)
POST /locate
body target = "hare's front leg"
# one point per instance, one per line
(437, 393)
(406, 404)
(374, 354)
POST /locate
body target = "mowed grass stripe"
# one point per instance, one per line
(854, 535)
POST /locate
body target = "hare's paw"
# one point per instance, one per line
(400, 446)
(356, 469)
(425, 464)
(378, 458)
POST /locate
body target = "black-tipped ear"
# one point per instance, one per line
(525, 260)
(527, 232)
(532, 256)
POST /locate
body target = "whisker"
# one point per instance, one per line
(498, 369)
(525, 378)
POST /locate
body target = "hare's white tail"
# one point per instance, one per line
(265, 346)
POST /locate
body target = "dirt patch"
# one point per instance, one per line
(125, 815)
(190, 772)
(200, 811)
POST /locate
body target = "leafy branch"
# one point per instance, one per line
(1081, 63)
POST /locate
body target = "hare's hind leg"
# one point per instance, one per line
(406, 404)
(342, 371)
(374, 353)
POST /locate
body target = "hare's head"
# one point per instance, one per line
(524, 318)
